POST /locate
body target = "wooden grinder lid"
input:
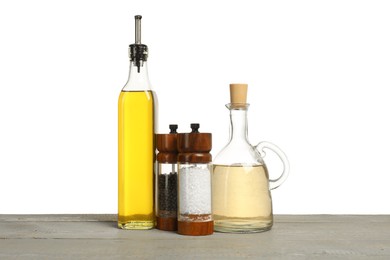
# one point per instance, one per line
(167, 146)
(194, 147)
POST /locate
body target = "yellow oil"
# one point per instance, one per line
(135, 160)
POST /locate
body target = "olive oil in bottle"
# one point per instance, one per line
(136, 124)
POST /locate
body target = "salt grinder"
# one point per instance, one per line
(166, 181)
(194, 174)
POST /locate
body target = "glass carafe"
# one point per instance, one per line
(241, 186)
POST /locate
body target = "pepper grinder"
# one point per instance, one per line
(166, 181)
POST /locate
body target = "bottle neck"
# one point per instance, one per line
(238, 125)
(138, 77)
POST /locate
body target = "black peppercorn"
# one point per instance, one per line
(167, 193)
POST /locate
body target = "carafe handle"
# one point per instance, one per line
(274, 183)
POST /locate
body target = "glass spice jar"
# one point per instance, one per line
(166, 181)
(194, 174)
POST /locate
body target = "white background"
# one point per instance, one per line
(318, 75)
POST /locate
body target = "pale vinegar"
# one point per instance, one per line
(241, 198)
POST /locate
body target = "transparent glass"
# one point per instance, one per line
(166, 190)
(138, 80)
(241, 186)
(194, 192)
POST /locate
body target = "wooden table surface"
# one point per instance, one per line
(96, 237)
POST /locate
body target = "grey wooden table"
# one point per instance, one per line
(96, 236)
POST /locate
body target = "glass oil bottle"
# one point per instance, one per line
(136, 148)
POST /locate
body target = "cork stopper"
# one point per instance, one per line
(238, 94)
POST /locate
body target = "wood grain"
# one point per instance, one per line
(96, 236)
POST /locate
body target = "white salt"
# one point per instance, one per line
(194, 190)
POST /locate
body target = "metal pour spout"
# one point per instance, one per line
(138, 29)
(138, 52)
